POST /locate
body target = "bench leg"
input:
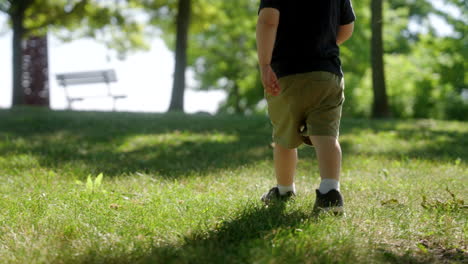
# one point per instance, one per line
(69, 106)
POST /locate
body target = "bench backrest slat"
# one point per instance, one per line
(83, 81)
(87, 77)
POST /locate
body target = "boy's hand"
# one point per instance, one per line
(269, 80)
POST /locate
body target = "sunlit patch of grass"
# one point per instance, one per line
(174, 139)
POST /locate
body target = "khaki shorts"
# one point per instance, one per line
(309, 105)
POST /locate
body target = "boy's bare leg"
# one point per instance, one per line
(328, 152)
(285, 165)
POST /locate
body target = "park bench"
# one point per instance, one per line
(90, 77)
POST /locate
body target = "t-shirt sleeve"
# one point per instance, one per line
(347, 13)
(268, 3)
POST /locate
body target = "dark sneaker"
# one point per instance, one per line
(274, 195)
(332, 202)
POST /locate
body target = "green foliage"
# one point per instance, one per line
(427, 83)
(455, 107)
(226, 56)
(162, 15)
(117, 25)
(424, 71)
(186, 188)
(112, 23)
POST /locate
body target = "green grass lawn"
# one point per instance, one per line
(185, 189)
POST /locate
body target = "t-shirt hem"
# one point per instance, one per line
(346, 22)
(283, 71)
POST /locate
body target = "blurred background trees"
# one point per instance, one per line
(424, 48)
(424, 66)
(111, 22)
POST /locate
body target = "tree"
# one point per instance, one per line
(35, 75)
(16, 11)
(174, 18)
(21, 18)
(103, 20)
(380, 104)
(183, 23)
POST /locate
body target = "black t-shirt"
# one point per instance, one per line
(306, 37)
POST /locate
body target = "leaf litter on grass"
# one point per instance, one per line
(453, 204)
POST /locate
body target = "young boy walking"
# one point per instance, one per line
(298, 51)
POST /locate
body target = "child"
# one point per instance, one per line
(297, 42)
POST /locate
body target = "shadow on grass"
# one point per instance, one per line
(232, 241)
(388, 256)
(169, 145)
(443, 146)
(431, 256)
(440, 144)
(164, 159)
(94, 142)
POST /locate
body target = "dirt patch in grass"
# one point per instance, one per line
(426, 251)
(443, 254)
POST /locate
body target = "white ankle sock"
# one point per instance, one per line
(284, 189)
(327, 185)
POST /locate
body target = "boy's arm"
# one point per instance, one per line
(344, 33)
(267, 27)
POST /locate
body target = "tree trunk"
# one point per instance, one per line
(18, 33)
(380, 104)
(183, 23)
(36, 71)
(236, 94)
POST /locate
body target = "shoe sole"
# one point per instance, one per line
(271, 201)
